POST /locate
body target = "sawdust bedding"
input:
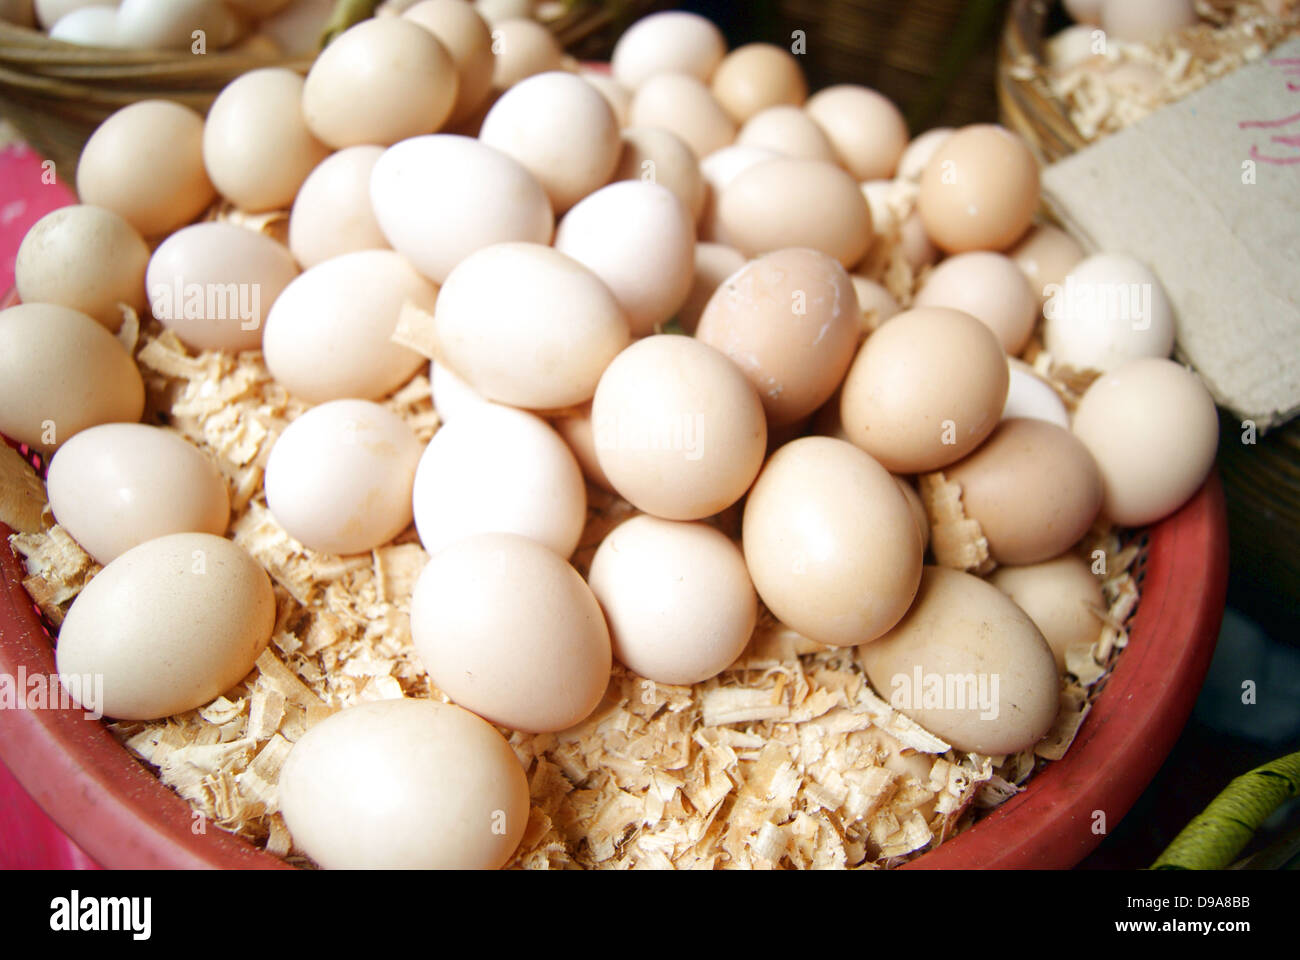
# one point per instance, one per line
(1232, 33)
(787, 759)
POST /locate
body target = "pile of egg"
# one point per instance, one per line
(545, 246)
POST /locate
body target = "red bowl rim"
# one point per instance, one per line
(122, 815)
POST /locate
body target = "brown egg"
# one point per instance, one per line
(830, 542)
(679, 430)
(1046, 255)
(796, 203)
(980, 190)
(757, 76)
(875, 302)
(1033, 488)
(523, 48)
(468, 40)
(145, 162)
(925, 389)
(660, 156)
(867, 131)
(509, 630)
(256, 145)
(790, 321)
(788, 131)
(991, 288)
(379, 82)
(616, 95)
(1061, 597)
(83, 257)
(714, 263)
(685, 106)
(968, 665)
(61, 372)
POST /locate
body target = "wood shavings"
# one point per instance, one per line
(1101, 98)
(956, 540)
(22, 494)
(787, 759)
(415, 329)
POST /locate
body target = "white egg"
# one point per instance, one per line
(499, 470)
(1029, 395)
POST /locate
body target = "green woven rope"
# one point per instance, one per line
(1217, 835)
(346, 13)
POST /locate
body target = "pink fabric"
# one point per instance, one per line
(28, 838)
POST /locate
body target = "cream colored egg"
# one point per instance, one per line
(790, 321)
(379, 82)
(1073, 46)
(169, 625)
(494, 469)
(509, 630)
(684, 105)
(1111, 309)
(1061, 596)
(332, 214)
(522, 49)
(680, 432)
(297, 28)
(173, 25)
(215, 284)
(676, 596)
(50, 12)
(404, 784)
(668, 42)
(714, 263)
(467, 38)
(831, 542)
(145, 162)
(1029, 395)
(757, 76)
(329, 335)
(93, 26)
(451, 394)
(789, 131)
(980, 190)
(1146, 21)
(339, 478)
(256, 145)
(796, 203)
(1046, 255)
(991, 288)
(438, 199)
(876, 303)
(916, 156)
(925, 389)
(61, 372)
(616, 95)
(718, 170)
(1152, 428)
(561, 130)
(918, 510)
(639, 239)
(865, 128)
(114, 486)
(541, 340)
(576, 428)
(83, 257)
(968, 665)
(659, 156)
(497, 11)
(1032, 487)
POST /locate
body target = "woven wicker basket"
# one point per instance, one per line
(1262, 481)
(57, 93)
